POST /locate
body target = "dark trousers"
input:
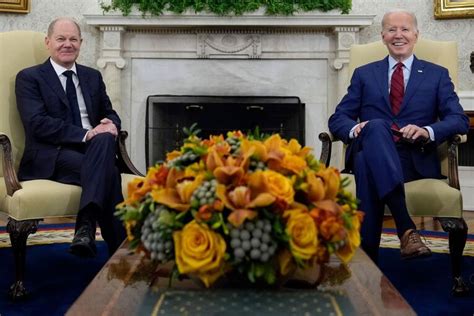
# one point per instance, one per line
(92, 166)
(381, 167)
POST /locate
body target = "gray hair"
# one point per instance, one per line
(413, 16)
(53, 23)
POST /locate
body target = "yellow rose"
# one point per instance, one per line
(274, 183)
(303, 234)
(293, 163)
(200, 251)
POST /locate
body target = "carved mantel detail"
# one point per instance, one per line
(231, 44)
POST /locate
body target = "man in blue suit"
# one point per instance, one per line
(71, 131)
(395, 113)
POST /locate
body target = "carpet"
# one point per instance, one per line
(426, 283)
(55, 278)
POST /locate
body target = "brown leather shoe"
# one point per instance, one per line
(412, 247)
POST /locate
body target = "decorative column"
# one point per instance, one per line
(112, 63)
(345, 37)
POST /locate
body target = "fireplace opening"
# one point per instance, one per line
(166, 115)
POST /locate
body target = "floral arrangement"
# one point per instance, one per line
(255, 204)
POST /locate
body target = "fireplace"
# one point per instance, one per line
(168, 114)
(303, 55)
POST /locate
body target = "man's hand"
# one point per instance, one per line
(414, 132)
(106, 126)
(359, 128)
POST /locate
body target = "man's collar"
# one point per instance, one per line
(60, 69)
(407, 62)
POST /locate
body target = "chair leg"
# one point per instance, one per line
(19, 231)
(457, 230)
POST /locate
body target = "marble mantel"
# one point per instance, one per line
(304, 55)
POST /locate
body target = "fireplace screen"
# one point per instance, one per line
(168, 114)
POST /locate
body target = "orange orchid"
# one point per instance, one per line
(346, 252)
(332, 181)
(240, 201)
(295, 148)
(230, 172)
(275, 151)
(178, 198)
(254, 148)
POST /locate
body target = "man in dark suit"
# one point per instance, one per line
(71, 131)
(399, 93)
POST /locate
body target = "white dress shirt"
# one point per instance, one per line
(80, 98)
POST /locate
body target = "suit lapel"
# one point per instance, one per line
(416, 77)
(381, 77)
(83, 83)
(53, 81)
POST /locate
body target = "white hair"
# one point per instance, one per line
(413, 16)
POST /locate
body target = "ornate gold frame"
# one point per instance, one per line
(15, 6)
(451, 9)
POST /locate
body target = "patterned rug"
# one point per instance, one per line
(63, 233)
(46, 234)
(436, 241)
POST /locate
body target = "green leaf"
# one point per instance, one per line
(259, 270)
(270, 275)
(227, 7)
(251, 273)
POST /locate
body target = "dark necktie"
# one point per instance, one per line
(72, 98)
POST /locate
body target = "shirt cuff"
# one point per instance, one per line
(351, 132)
(431, 132)
(84, 139)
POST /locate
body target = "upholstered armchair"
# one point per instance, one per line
(25, 203)
(440, 199)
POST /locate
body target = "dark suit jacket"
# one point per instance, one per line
(429, 100)
(45, 112)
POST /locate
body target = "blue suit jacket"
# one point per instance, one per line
(429, 100)
(45, 112)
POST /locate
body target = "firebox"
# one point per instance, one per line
(166, 116)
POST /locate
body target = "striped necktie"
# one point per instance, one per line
(397, 88)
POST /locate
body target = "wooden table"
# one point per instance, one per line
(127, 278)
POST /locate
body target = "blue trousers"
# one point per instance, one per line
(381, 167)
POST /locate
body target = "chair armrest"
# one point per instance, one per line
(453, 173)
(125, 163)
(326, 138)
(9, 174)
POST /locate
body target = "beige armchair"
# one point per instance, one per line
(427, 197)
(26, 203)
